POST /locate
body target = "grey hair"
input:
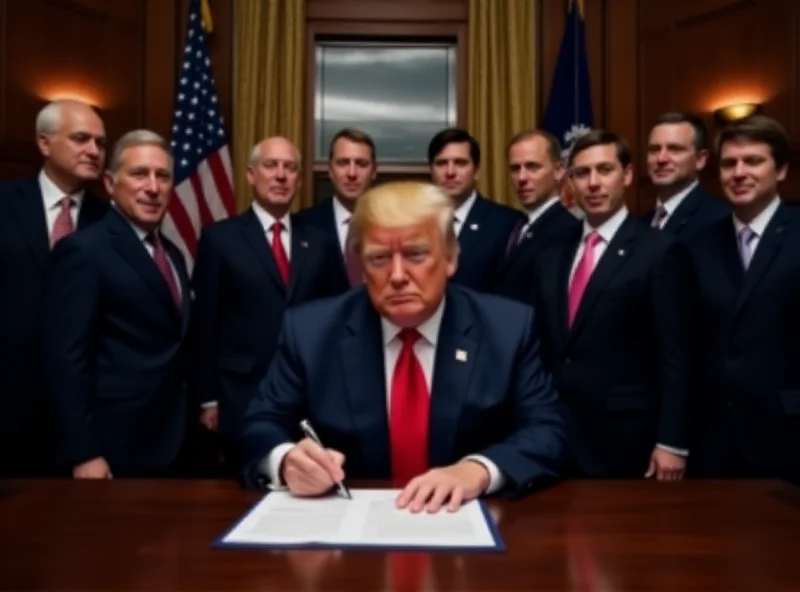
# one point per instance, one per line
(140, 137)
(48, 121)
(255, 153)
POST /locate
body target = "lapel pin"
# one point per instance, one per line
(304, 244)
(473, 227)
(461, 355)
(621, 252)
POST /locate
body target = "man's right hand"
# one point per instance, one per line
(97, 468)
(308, 469)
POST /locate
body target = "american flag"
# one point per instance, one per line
(203, 191)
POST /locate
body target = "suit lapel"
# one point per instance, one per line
(456, 353)
(470, 233)
(179, 264)
(32, 221)
(768, 246)
(361, 354)
(683, 212)
(729, 257)
(127, 244)
(255, 236)
(616, 253)
(301, 249)
(560, 290)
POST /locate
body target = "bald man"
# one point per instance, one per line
(249, 269)
(35, 213)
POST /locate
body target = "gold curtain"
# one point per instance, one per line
(268, 80)
(501, 97)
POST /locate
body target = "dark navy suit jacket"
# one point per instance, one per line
(495, 399)
(25, 442)
(623, 369)
(515, 279)
(698, 210)
(749, 346)
(113, 360)
(321, 216)
(483, 240)
(239, 304)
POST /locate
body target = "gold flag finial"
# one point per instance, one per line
(205, 12)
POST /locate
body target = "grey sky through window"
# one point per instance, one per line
(400, 94)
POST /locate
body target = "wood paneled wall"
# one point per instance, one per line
(645, 57)
(120, 56)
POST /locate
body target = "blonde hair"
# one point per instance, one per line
(400, 204)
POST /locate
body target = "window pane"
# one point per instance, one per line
(400, 94)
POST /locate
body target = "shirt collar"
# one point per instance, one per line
(609, 228)
(534, 215)
(462, 211)
(341, 214)
(673, 202)
(267, 220)
(428, 329)
(141, 234)
(759, 223)
(53, 195)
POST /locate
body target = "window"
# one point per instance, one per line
(399, 93)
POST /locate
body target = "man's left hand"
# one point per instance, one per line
(453, 486)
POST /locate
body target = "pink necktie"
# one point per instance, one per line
(162, 262)
(63, 223)
(582, 274)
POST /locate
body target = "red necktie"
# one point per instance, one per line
(582, 274)
(63, 222)
(408, 417)
(278, 251)
(355, 271)
(161, 261)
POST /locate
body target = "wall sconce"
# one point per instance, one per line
(735, 112)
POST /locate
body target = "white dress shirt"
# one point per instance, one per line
(461, 212)
(267, 220)
(52, 196)
(758, 224)
(673, 202)
(425, 350)
(607, 230)
(341, 217)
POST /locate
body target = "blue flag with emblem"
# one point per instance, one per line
(569, 110)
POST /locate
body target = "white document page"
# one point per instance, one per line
(369, 519)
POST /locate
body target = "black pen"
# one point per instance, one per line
(309, 432)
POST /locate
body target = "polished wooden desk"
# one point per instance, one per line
(578, 536)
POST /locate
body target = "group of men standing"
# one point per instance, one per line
(659, 347)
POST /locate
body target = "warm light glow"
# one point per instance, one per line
(736, 112)
(76, 91)
(737, 96)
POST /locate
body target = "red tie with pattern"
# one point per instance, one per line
(408, 417)
(161, 261)
(63, 222)
(279, 252)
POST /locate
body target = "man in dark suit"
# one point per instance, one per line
(482, 226)
(537, 169)
(676, 154)
(614, 305)
(352, 170)
(748, 272)
(439, 388)
(34, 214)
(116, 309)
(249, 269)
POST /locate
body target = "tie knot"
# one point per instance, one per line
(409, 337)
(746, 234)
(277, 226)
(153, 239)
(593, 238)
(66, 202)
